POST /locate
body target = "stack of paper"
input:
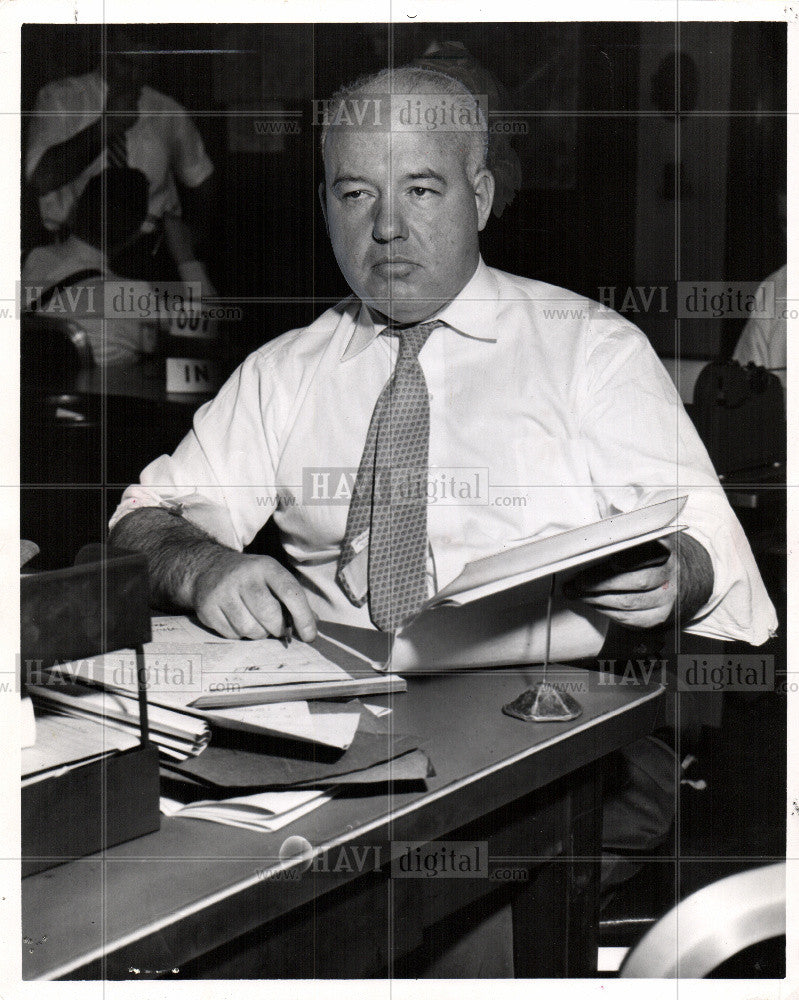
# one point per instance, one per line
(265, 811)
(249, 765)
(27, 723)
(63, 743)
(176, 734)
(191, 669)
(292, 720)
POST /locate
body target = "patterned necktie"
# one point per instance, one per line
(117, 147)
(388, 508)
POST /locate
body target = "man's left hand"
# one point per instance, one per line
(640, 594)
(640, 587)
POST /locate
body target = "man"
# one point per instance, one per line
(106, 218)
(442, 365)
(765, 341)
(575, 415)
(84, 124)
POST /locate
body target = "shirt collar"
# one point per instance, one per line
(472, 313)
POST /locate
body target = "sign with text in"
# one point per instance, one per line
(191, 375)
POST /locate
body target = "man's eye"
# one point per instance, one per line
(421, 191)
(354, 195)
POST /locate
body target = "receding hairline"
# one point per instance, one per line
(421, 81)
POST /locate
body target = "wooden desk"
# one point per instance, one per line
(205, 900)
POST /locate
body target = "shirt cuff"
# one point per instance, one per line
(198, 172)
(210, 517)
(739, 607)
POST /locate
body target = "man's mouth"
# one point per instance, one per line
(394, 267)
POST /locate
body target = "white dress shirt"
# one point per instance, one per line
(547, 411)
(765, 341)
(163, 143)
(114, 340)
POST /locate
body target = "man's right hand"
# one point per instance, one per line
(243, 596)
(237, 595)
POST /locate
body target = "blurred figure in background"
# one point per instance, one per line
(765, 341)
(110, 117)
(72, 279)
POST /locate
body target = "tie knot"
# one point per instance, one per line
(413, 338)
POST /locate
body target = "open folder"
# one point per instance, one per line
(494, 612)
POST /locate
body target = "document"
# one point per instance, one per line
(27, 723)
(558, 553)
(264, 811)
(62, 742)
(192, 669)
(291, 719)
(494, 612)
(255, 765)
(176, 734)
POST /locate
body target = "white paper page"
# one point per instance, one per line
(27, 722)
(271, 803)
(378, 710)
(493, 632)
(258, 662)
(263, 811)
(123, 708)
(557, 552)
(61, 740)
(293, 719)
(177, 749)
(178, 674)
(583, 559)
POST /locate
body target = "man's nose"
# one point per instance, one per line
(389, 222)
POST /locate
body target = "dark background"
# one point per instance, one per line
(655, 152)
(588, 95)
(614, 112)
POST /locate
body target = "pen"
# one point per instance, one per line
(287, 635)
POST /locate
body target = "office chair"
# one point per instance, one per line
(711, 926)
(60, 441)
(53, 349)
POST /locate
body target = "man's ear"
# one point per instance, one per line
(483, 196)
(323, 203)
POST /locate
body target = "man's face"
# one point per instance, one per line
(403, 211)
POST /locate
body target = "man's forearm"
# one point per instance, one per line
(62, 163)
(199, 205)
(236, 595)
(179, 239)
(695, 576)
(176, 550)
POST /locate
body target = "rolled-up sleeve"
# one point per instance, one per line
(222, 475)
(191, 163)
(644, 448)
